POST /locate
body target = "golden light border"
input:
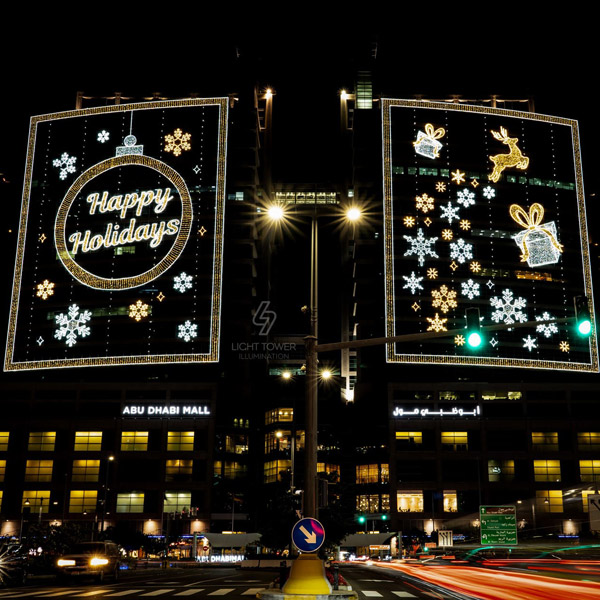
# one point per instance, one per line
(123, 283)
(391, 356)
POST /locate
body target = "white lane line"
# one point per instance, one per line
(93, 593)
(123, 593)
(404, 594)
(252, 591)
(221, 592)
(371, 594)
(159, 592)
(189, 592)
(62, 593)
(23, 594)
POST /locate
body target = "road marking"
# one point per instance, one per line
(124, 593)
(22, 594)
(221, 592)
(189, 592)
(159, 592)
(252, 591)
(93, 593)
(371, 594)
(61, 593)
(404, 594)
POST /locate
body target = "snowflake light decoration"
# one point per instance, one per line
(437, 324)
(489, 192)
(409, 221)
(187, 331)
(447, 234)
(72, 325)
(444, 299)
(564, 346)
(459, 340)
(66, 164)
(182, 282)
(458, 177)
(475, 267)
(466, 197)
(421, 246)
(461, 251)
(424, 203)
(103, 136)
(508, 308)
(432, 273)
(440, 186)
(546, 328)
(413, 282)
(465, 224)
(449, 212)
(529, 343)
(470, 289)
(177, 142)
(138, 311)
(45, 289)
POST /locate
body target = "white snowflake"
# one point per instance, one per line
(450, 212)
(489, 192)
(466, 197)
(421, 246)
(103, 136)
(72, 325)
(413, 282)
(187, 331)
(182, 282)
(508, 308)
(470, 289)
(461, 251)
(530, 343)
(546, 328)
(66, 164)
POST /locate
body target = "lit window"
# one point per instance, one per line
(588, 440)
(274, 468)
(368, 503)
(88, 441)
(455, 440)
(585, 499)
(237, 444)
(38, 470)
(277, 440)
(410, 501)
(279, 415)
(409, 438)
(546, 470)
(36, 499)
(1, 494)
(42, 441)
(372, 473)
(501, 470)
(4, 435)
(544, 440)
(177, 501)
(589, 470)
(86, 470)
(2, 469)
(549, 500)
(235, 470)
(178, 469)
(180, 441)
(450, 501)
(82, 501)
(134, 441)
(327, 468)
(130, 503)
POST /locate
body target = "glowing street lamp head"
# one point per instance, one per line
(276, 212)
(326, 374)
(286, 375)
(353, 214)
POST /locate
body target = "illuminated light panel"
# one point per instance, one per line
(514, 158)
(177, 142)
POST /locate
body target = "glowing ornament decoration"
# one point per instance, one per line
(444, 298)
(490, 283)
(450, 212)
(177, 142)
(489, 192)
(413, 282)
(514, 158)
(548, 329)
(458, 177)
(470, 289)
(530, 343)
(474, 183)
(427, 221)
(72, 325)
(182, 282)
(187, 331)
(475, 267)
(42, 238)
(459, 340)
(427, 143)
(440, 186)
(138, 311)
(538, 243)
(494, 342)
(160, 297)
(447, 234)
(464, 224)
(196, 169)
(416, 306)
(103, 136)
(65, 164)
(421, 246)
(45, 289)
(40, 341)
(437, 324)
(453, 265)
(564, 346)
(461, 251)
(202, 231)
(508, 308)
(466, 197)
(424, 203)
(409, 221)
(432, 273)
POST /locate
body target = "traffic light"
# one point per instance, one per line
(583, 321)
(362, 519)
(384, 517)
(474, 337)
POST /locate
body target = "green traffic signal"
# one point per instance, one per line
(582, 316)
(362, 519)
(384, 517)
(474, 337)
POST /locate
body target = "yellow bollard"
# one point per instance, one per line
(307, 576)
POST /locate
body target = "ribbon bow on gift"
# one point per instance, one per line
(531, 221)
(434, 134)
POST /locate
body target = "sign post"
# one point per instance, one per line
(308, 535)
(498, 525)
(445, 538)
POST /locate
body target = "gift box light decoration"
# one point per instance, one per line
(427, 143)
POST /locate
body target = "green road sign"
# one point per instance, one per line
(498, 524)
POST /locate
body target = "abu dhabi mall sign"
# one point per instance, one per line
(121, 236)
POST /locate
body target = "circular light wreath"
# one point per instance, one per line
(169, 259)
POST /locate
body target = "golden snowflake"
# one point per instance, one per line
(177, 142)
(45, 289)
(458, 176)
(409, 221)
(474, 182)
(424, 203)
(440, 186)
(447, 234)
(138, 310)
(416, 306)
(427, 221)
(465, 224)
(459, 340)
(453, 265)
(432, 273)
(564, 346)
(444, 299)
(437, 324)
(475, 267)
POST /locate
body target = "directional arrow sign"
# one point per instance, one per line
(308, 535)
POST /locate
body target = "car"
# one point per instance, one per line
(99, 560)
(13, 565)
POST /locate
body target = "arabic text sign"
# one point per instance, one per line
(498, 524)
(308, 535)
(424, 413)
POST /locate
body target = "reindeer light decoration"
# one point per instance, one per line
(514, 158)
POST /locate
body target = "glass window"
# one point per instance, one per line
(177, 501)
(180, 441)
(368, 503)
(134, 441)
(544, 440)
(235, 470)
(410, 501)
(132, 502)
(587, 440)
(549, 500)
(2, 469)
(42, 441)
(455, 440)
(38, 470)
(35, 499)
(4, 435)
(81, 501)
(372, 473)
(409, 438)
(589, 470)
(279, 415)
(178, 469)
(274, 468)
(501, 470)
(327, 468)
(450, 501)
(88, 441)
(546, 470)
(277, 440)
(237, 444)
(86, 470)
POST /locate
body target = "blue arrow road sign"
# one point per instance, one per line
(308, 535)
